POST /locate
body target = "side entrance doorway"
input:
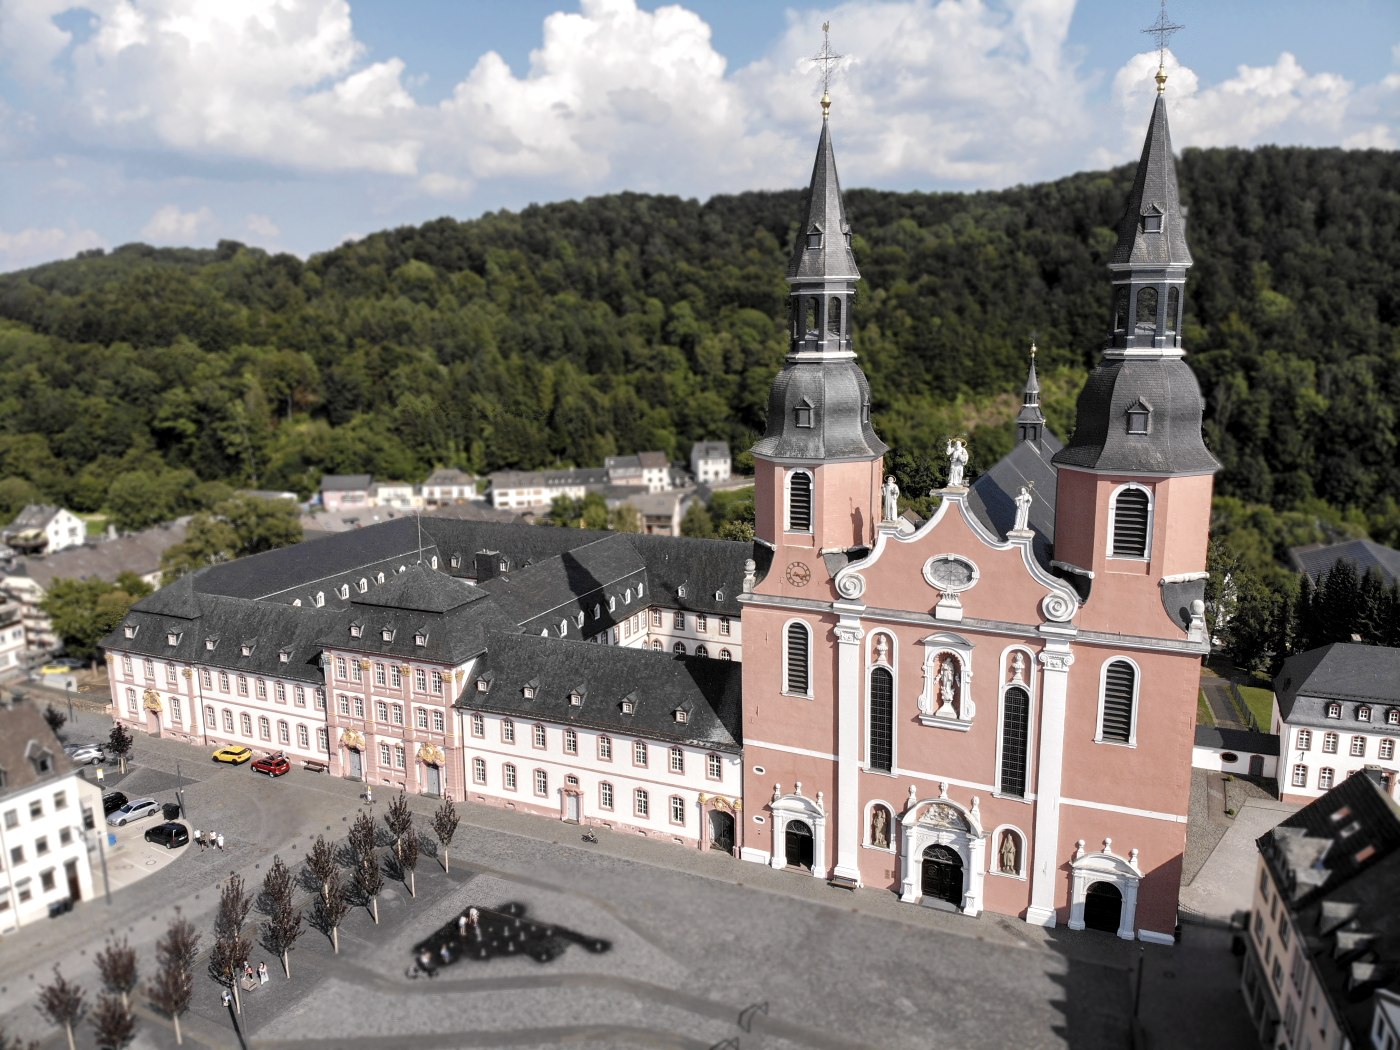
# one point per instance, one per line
(357, 765)
(797, 843)
(943, 875)
(1103, 907)
(721, 831)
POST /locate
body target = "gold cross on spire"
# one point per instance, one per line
(1163, 29)
(826, 58)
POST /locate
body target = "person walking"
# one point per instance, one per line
(220, 840)
(369, 795)
(199, 838)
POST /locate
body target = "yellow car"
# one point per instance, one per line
(233, 754)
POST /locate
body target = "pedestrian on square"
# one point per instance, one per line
(262, 973)
(369, 795)
(220, 841)
(199, 838)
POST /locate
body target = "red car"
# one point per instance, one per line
(273, 765)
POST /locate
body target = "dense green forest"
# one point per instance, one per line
(135, 379)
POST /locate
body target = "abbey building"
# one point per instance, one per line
(991, 710)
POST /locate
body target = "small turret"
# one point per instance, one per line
(1030, 424)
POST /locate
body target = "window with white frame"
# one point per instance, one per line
(605, 795)
(1325, 776)
(677, 760)
(381, 710)
(677, 810)
(438, 722)
(1392, 716)
(1329, 743)
(437, 682)
(228, 721)
(1118, 702)
(605, 748)
(223, 681)
(245, 723)
(343, 702)
(679, 622)
(570, 742)
(508, 776)
(395, 676)
(540, 739)
(797, 668)
(1300, 776)
(399, 756)
(281, 692)
(1304, 740)
(284, 733)
(385, 755)
(1334, 710)
(420, 679)
(724, 626)
(507, 731)
(421, 717)
(320, 698)
(261, 688)
(340, 671)
(1386, 749)
(243, 685)
(323, 738)
(381, 675)
(170, 673)
(397, 712)
(175, 709)
(714, 768)
(1363, 713)
(359, 706)
(148, 665)
(1358, 747)
(541, 783)
(131, 701)
(357, 671)
(655, 618)
(303, 737)
(702, 623)
(206, 678)
(641, 802)
(478, 724)
(126, 663)
(209, 715)
(678, 648)
(478, 770)
(639, 753)
(1132, 522)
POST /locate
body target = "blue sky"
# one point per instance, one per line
(296, 124)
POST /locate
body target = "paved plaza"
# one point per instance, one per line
(703, 950)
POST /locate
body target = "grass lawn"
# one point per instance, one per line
(1203, 715)
(1260, 701)
(96, 523)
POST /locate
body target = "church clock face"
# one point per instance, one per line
(950, 574)
(798, 574)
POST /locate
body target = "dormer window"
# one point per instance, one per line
(1139, 417)
(597, 611)
(320, 599)
(356, 630)
(246, 649)
(802, 414)
(563, 628)
(284, 656)
(680, 591)
(43, 762)
(130, 630)
(363, 585)
(420, 638)
(387, 634)
(578, 620)
(1363, 713)
(628, 706)
(345, 590)
(814, 237)
(1334, 710)
(1152, 223)
(575, 699)
(172, 638)
(527, 691)
(627, 596)
(504, 565)
(456, 561)
(682, 715)
(211, 643)
(719, 596)
(379, 578)
(482, 685)
(612, 603)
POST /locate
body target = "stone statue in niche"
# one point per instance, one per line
(879, 828)
(957, 463)
(1018, 669)
(1009, 861)
(890, 492)
(882, 648)
(947, 688)
(1023, 510)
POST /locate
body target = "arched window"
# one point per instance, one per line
(678, 648)
(1147, 309)
(1015, 725)
(1118, 704)
(1173, 309)
(1132, 516)
(725, 654)
(813, 312)
(795, 312)
(833, 316)
(700, 650)
(799, 506)
(881, 720)
(1120, 309)
(797, 675)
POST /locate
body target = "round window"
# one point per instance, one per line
(1229, 756)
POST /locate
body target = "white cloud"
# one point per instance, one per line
(262, 226)
(32, 246)
(173, 226)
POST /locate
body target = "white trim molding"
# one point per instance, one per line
(1086, 869)
(796, 806)
(942, 822)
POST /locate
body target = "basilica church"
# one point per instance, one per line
(991, 710)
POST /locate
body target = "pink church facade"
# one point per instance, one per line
(992, 710)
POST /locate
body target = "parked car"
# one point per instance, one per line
(113, 801)
(87, 754)
(136, 810)
(234, 754)
(273, 765)
(169, 834)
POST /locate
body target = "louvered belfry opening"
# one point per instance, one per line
(1130, 524)
(1015, 721)
(882, 720)
(798, 674)
(1118, 702)
(800, 502)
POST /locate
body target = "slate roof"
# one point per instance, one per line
(1154, 187)
(710, 450)
(540, 596)
(450, 476)
(1318, 559)
(420, 589)
(1243, 741)
(1337, 865)
(1173, 444)
(825, 212)
(658, 683)
(837, 393)
(346, 482)
(24, 735)
(1344, 671)
(992, 497)
(34, 516)
(535, 479)
(139, 553)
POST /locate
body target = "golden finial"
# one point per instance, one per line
(1032, 349)
(826, 58)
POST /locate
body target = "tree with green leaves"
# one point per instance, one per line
(236, 527)
(83, 612)
(172, 988)
(697, 522)
(62, 1002)
(55, 718)
(119, 743)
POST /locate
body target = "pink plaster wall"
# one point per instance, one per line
(845, 503)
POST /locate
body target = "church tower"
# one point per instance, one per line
(818, 466)
(1134, 484)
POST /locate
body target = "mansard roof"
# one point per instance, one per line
(1352, 673)
(836, 394)
(420, 589)
(1154, 192)
(656, 683)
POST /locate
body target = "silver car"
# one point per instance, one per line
(87, 754)
(136, 809)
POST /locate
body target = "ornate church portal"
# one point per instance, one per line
(941, 849)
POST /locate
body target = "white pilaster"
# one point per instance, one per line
(848, 702)
(1055, 659)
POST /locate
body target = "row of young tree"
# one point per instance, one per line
(367, 852)
(569, 332)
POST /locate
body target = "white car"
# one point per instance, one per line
(136, 809)
(87, 754)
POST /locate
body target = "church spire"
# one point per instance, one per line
(1030, 424)
(822, 249)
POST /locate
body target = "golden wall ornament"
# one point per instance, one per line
(353, 738)
(432, 755)
(151, 700)
(187, 673)
(364, 665)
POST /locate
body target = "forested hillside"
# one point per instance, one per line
(573, 331)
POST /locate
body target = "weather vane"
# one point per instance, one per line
(1163, 29)
(826, 59)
